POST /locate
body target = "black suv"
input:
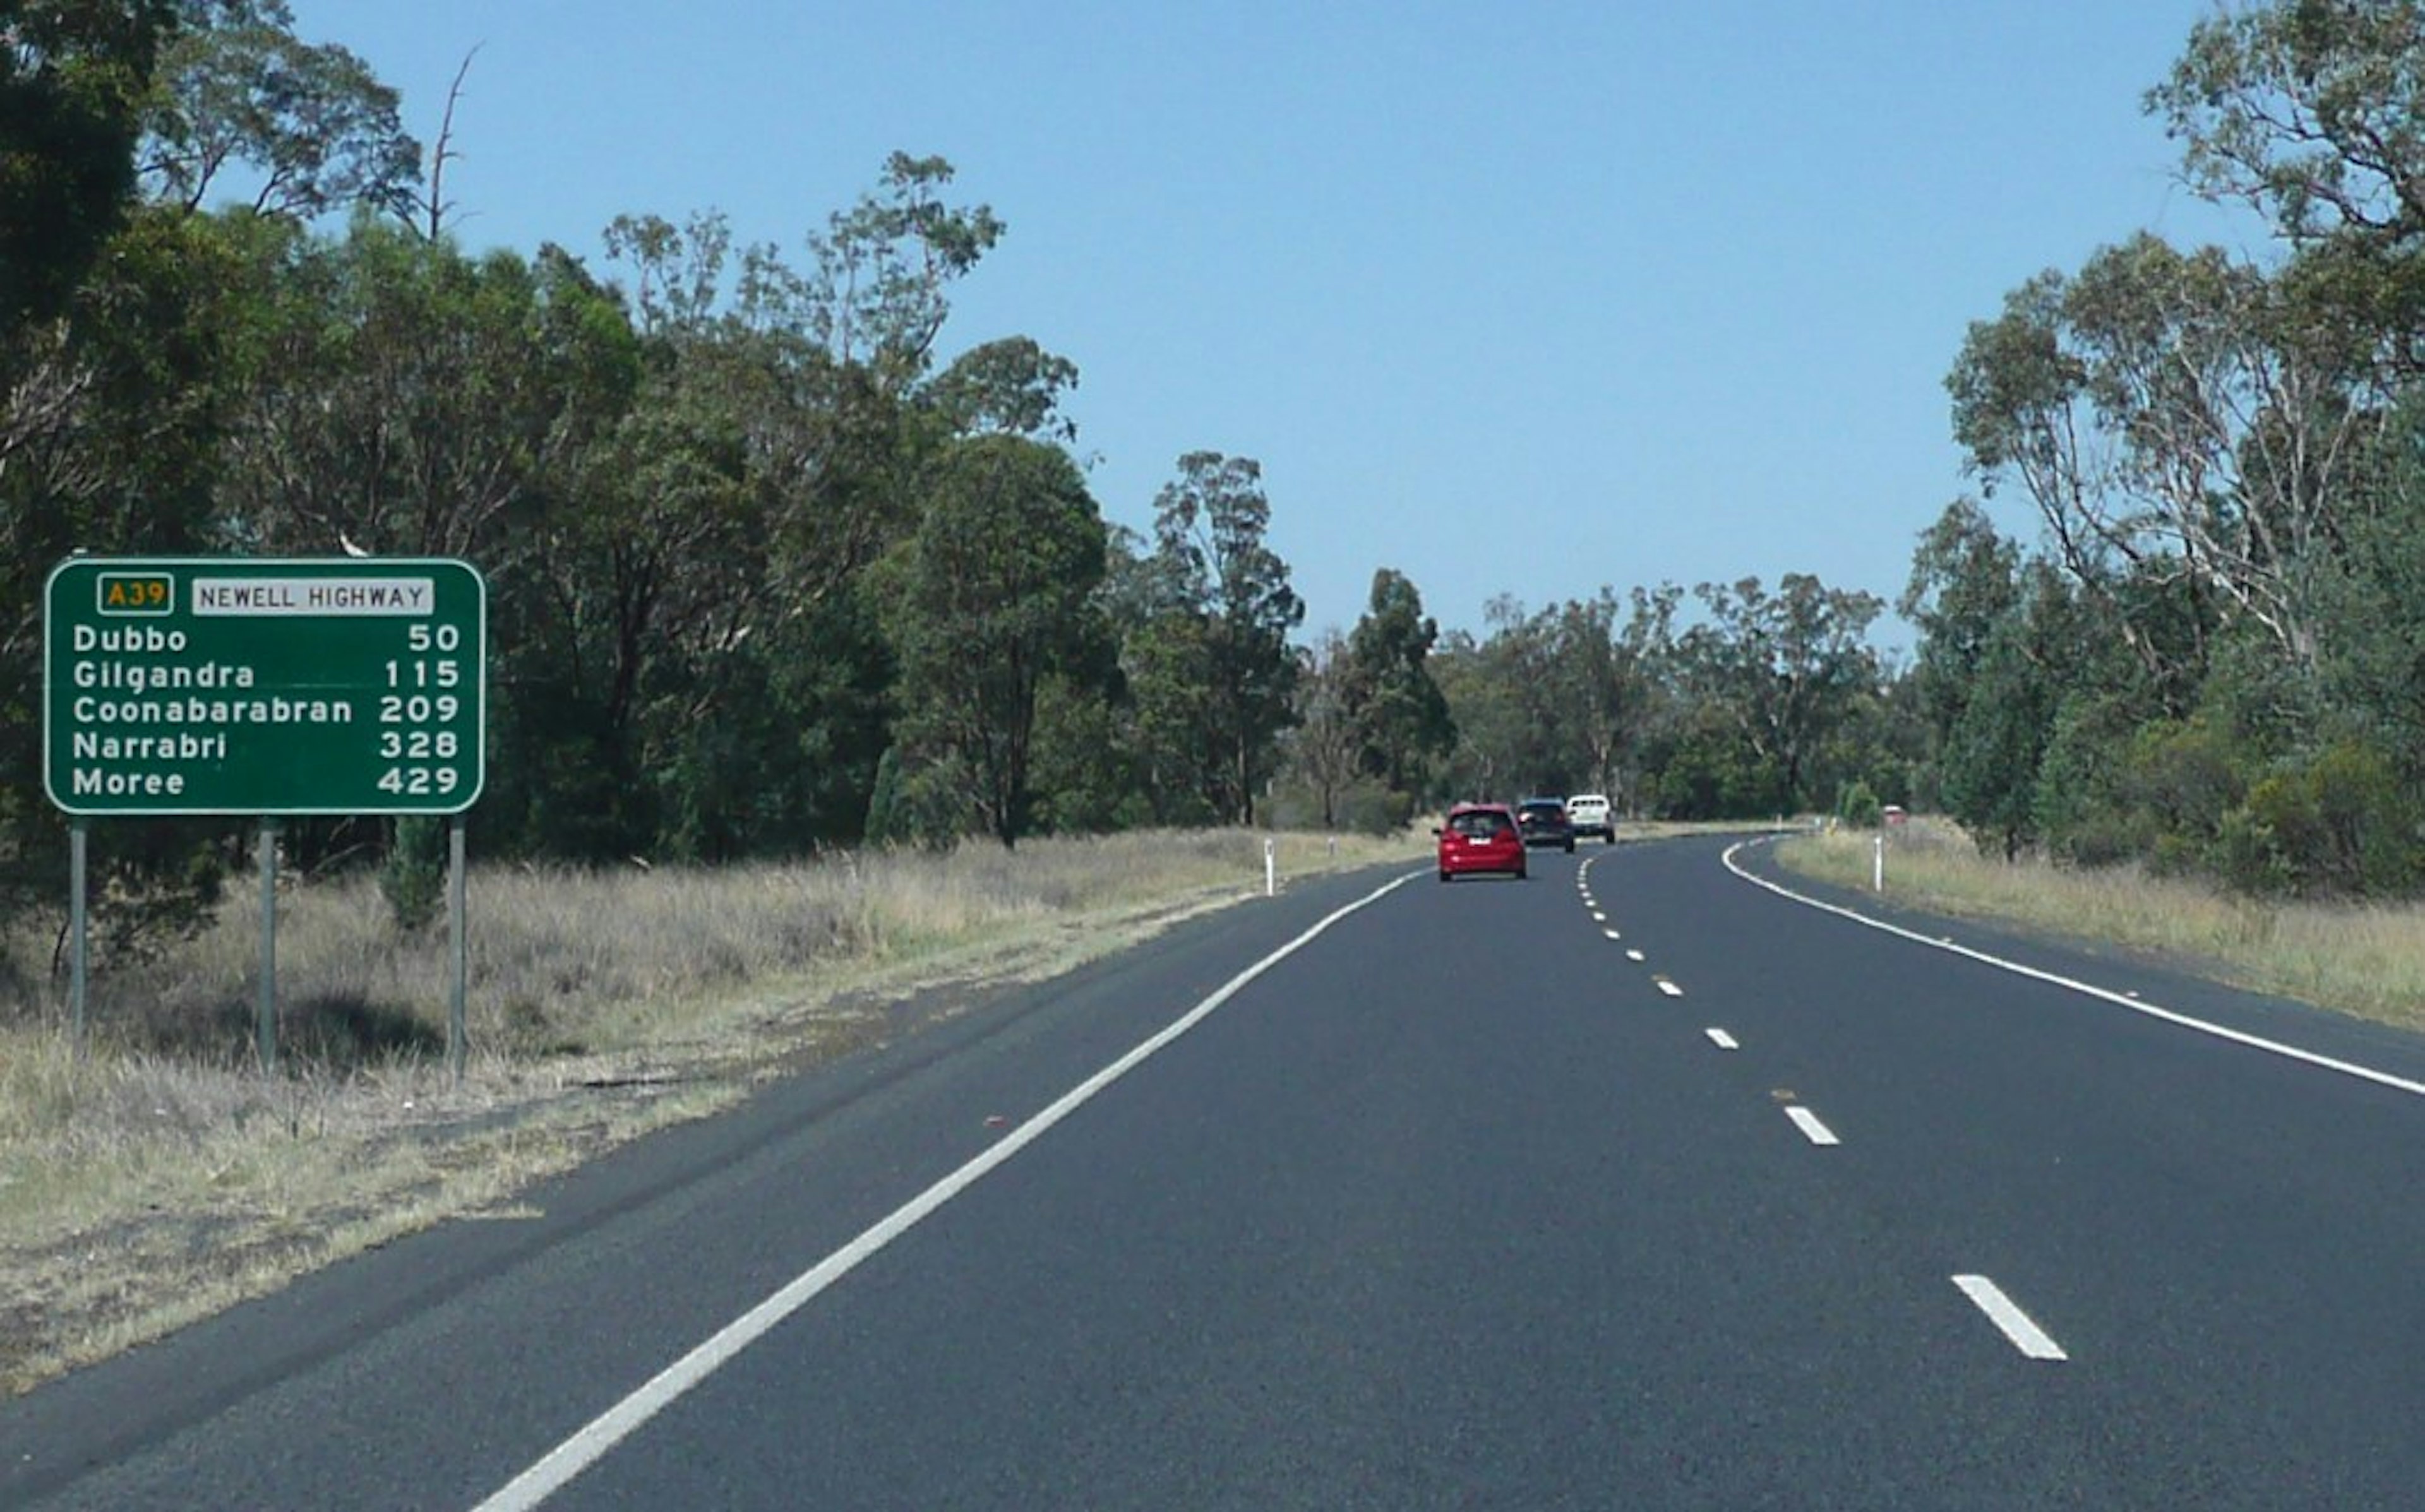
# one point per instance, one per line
(1544, 822)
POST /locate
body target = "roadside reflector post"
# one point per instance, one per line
(1271, 867)
(1878, 865)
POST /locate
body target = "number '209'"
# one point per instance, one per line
(418, 708)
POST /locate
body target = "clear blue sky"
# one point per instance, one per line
(1521, 299)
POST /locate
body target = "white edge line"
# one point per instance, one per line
(2381, 1078)
(1808, 1122)
(2026, 1335)
(591, 1444)
(1722, 1039)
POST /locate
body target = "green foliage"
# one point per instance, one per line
(2078, 805)
(412, 877)
(1860, 807)
(991, 595)
(2183, 779)
(1707, 768)
(2340, 825)
(2304, 112)
(1786, 670)
(918, 802)
(1083, 764)
(317, 128)
(1397, 719)
(1361, 807)
(1215, 682)
(74, 76)
(1990, 756)
(2211, 666)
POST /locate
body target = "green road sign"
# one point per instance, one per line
(232, 685)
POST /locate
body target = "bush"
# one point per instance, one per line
(2341, 825)
(1859, 807)
(412, 879)
(1362, 807)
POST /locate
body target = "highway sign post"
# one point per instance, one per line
(267, 687)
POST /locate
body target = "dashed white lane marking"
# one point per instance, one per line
(2026, 1335)
(1668, 987)
(1599, 916)
(1722, 1039)
(1613, 935)
(1634, 955)
(1808, 1122)
(619, 1422)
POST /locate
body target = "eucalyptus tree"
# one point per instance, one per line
(300, 129)
(1393, 705)
(1223, 670)
(991, 596)
(1964, 583)
(1326, 749)
(1595, 673)
(1782, 670)
(2307, 113)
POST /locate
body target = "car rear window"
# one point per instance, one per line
(1480, 825)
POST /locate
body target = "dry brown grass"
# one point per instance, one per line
(159, 1177)
(2368, 961)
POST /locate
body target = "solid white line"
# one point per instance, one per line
(2346, 1068)
(2027, 1336)
(584, 1448)
(1808, 1122)
(1722, 1039)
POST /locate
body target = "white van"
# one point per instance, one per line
(1588, 813)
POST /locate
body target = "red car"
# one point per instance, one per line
(1480, 837)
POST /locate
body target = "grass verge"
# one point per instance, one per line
(158, 1177)
(2367, 961)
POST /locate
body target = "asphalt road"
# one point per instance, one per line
(1636, 1185)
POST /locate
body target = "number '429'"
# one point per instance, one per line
(419, 782)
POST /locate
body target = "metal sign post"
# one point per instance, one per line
(76, 932)
(267, 1033)
(458, 1037)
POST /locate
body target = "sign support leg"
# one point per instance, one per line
(458, 1037)
(269, 1030)
(77, 933)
